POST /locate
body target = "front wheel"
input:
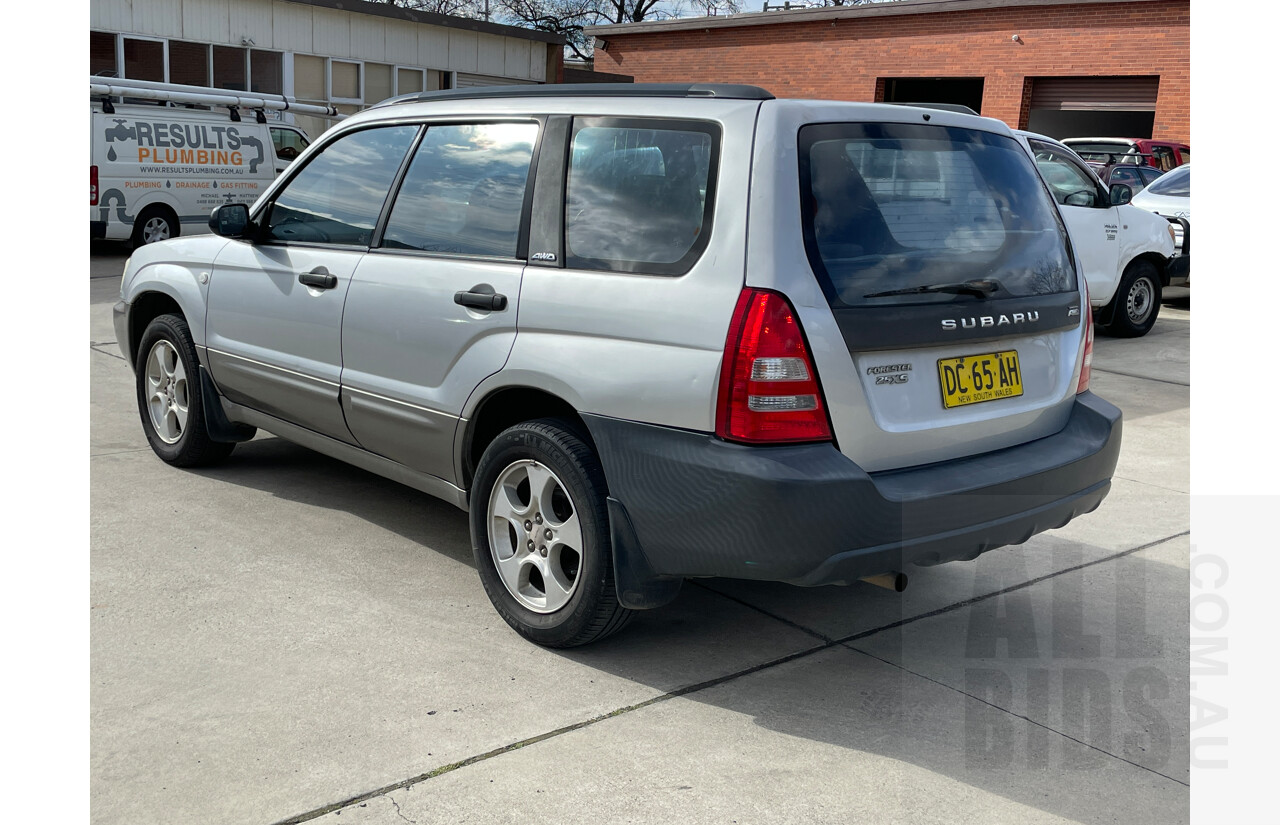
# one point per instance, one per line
(540, 534)
(170, 398)
(1136, 304)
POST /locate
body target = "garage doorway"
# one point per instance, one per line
(1064, 107)
(966, 91)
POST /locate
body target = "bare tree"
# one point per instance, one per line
(563, 17)
(474, 9)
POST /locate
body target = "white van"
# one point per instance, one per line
(156, 172)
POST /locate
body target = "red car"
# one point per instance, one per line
(1162, 154)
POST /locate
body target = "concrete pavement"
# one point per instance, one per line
(285, 638)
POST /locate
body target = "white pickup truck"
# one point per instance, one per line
(1124, 251)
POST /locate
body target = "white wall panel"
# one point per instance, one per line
(537, 61)
(492, 55)
(111, 15)
(402, 43)
(159, 18)
(331, 32)
(433, 47)
(517, 57)
(463, 47)
(206, 21)
(291, 27)
(252, 18)
(369, 37)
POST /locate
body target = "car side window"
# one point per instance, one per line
(338, 195)
(288, 143)
(640, 194)
(1149, 174)
(465, 190)
(1163, 156)
(1128, 176)
(1069, 182)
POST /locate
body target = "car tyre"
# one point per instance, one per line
(156, 223)
(171, 398)
(540, 535)
(1136, 304)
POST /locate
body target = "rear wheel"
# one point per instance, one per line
(540, 534)
(170, 397)
(156, 223)
(1136, 303)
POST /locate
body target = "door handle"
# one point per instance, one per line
(318, 278)
(481, 300)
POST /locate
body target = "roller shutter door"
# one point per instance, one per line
(1134, 94)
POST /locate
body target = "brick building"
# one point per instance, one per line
(1063, 67)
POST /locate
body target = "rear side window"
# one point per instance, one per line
(464, 191)
(337, 197)
(890, 207)
(1176, 184)
(640, 194)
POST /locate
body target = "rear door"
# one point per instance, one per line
(431, 310)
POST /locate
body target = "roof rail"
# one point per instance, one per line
(728, 91)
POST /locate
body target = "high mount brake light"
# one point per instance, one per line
(769, 391)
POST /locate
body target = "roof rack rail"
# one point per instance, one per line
(730, 91)
(945, 107)
(107, 88)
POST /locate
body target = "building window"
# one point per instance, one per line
(188, 63)
(102, 54)
(308, 78)
(408, 80)
(378, 82)
(144, 59)
(229, 68)
(267, 71)
(344, 81)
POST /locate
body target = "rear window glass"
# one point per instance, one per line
(1176, 184)
(639, 194)
(897, 206)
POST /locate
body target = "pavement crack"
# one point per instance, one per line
(1143, 377)
(1026, 719)
(400, 813)
(1149, 484)
(94, 346)
(795, 625)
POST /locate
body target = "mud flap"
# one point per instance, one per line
(638, 586)
(216, 422)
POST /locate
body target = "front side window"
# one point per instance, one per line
(890, 208)
(640, 194)
(465, 190)
(338, 195)
(1129, 176)
(288, 143)
(1070, 183)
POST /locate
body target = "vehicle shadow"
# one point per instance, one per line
(1080, 656)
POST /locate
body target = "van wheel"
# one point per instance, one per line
(170, 399)
(156, 223)
(1136, 303)
(540, 534)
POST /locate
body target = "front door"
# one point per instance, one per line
(1092, 221)
(273, 324)
(432, 308)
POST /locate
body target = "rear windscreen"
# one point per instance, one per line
(888, 207)
(1175, 184)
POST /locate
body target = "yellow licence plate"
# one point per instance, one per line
(977, 378)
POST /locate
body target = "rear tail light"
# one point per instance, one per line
(1086, 368)
(769, 392)
(93, 186)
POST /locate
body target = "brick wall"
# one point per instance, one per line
(843, 59)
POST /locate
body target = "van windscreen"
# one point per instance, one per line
(894, 207)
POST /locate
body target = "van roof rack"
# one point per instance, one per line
(730, 91)
(106, 89)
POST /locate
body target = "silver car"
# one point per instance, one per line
(646, 333)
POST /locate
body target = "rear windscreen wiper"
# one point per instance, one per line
(982, 288)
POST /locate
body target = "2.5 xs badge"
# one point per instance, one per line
(890, 373)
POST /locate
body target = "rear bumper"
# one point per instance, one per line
(806, 514)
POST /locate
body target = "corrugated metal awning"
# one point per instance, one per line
(1137, 94)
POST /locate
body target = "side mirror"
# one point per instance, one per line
(1121, 193)
(1082, 198)
(230, 220)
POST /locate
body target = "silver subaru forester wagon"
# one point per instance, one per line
(645, 333)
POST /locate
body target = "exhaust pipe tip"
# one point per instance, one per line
(897, 582)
